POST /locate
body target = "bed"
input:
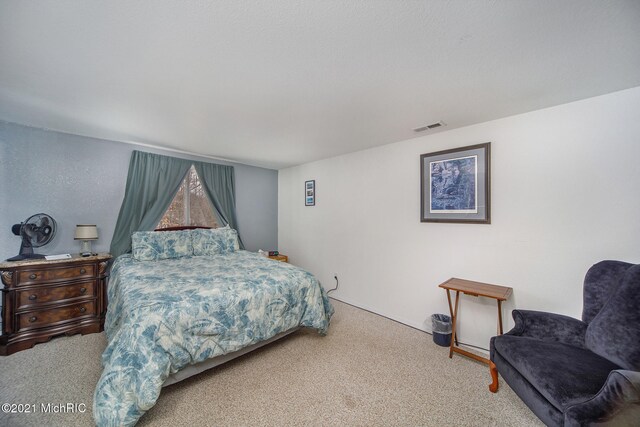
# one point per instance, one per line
(194, 305)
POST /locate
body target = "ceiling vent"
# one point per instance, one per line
(430, 127)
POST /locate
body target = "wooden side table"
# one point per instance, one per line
(280, 257)
(476, 289)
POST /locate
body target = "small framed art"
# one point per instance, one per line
(310, 193)
(455, 185)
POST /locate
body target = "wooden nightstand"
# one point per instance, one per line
(280, 257)
(42, 299)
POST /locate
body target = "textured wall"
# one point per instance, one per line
(564, 196)
(80, 180)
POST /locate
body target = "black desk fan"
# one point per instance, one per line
(36, 231)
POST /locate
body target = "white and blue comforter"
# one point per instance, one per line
(164, 315)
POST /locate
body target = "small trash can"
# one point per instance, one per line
(441, 328)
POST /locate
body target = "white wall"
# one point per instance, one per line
(564, 196)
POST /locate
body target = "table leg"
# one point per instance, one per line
(493, 387)
(454, 316)
(449, 301)
(451, 314)
(499, 317)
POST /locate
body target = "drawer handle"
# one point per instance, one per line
(83, 290)
(83, 309)
(32, 319)
(82, 271)
(33, 297)
(33, 276)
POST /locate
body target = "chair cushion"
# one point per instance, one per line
(548, 414)
(615, 331)
(563, 374)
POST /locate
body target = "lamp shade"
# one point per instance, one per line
(86, 232)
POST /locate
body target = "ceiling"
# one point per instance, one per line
(285, 82)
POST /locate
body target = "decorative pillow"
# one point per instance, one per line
(154, 245)
(215, 241)
(233, 235)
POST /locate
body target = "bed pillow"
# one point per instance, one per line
(154, 245)
(233, 235)
(215, 241)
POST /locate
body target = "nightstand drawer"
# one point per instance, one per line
(49, 294)
(35, 319)
(35, 276)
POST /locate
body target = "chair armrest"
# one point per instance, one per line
(616, 404)
(549, 327)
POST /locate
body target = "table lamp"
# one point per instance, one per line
(86, 233)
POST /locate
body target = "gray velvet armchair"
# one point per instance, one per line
(579, 372)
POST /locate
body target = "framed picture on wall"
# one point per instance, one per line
(455, 185)
(310, 193)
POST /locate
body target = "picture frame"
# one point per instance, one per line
(310, 193)
(455, 185)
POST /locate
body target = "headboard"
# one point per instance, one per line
(181, 227)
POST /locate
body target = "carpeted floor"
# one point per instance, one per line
(368, 371)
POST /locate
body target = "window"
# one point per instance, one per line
(190, 206)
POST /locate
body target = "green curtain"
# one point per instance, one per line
(220, 185)
(152, 182)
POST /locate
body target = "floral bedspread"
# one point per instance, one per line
(164, 315)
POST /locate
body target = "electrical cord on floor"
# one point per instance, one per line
(473, 346)
(337, 284)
